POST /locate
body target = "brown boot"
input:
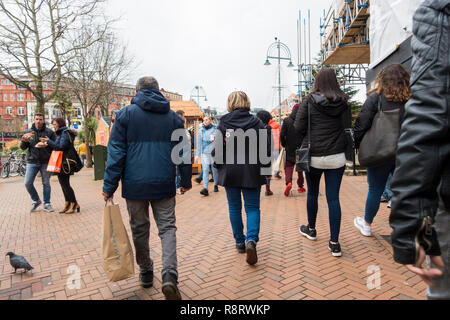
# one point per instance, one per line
(268, 191)
(66, 207)
(74, 206)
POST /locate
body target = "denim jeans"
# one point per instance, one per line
(178, 181)
(207, 167)
(252, 208)
(333, 180)
(30, 176)
(377, 178)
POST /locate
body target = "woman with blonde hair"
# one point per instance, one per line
(243, 175)
(392, 93)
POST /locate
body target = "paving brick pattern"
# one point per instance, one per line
(290, 267)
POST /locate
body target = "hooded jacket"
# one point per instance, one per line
(140, 150)
(204, 143)
(247, 175)
(276, 132)
(38, 155)
(64, 140)
(327, 125)
(421, 181)
(289, 137)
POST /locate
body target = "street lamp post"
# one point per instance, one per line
(282, 53)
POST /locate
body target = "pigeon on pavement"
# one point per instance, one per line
(19, 262)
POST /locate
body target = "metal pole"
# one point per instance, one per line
(279, 78)
(304, 47)
(309, 45)
(299, 42)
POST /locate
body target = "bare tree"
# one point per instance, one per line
(36, 42)
(94, 74)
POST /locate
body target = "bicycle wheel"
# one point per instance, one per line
(5, 171)
(22, 170)
(14, 170)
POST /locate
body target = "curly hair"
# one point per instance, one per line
(394, 82)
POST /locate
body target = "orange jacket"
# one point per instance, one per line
(276, 132)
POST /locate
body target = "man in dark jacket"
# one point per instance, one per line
(421, 205)
(140, 153)
(37, 161)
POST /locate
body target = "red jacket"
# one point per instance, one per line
(276, 131)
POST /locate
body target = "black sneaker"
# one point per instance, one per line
(204, 192)
(240, 247)
(146, 279)
(335, 249)
(252, 256)
(216, 189)
(198, 180)
(311, 234)
(211, 180)
(169, 287)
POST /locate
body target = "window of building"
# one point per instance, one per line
(20, 97)
(8, 110)
(7, 82)
(11, 97)
(21, 111)
(78, 112)
(5, 97)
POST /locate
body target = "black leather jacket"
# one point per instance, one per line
(422, 178)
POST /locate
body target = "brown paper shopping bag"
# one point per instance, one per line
(118, 258)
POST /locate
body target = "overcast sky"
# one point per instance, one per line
(220, 45)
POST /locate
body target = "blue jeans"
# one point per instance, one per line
(207, 167)
(30, 176)
(377, 178)
(178, 179)
(333, 180)
(252, 208)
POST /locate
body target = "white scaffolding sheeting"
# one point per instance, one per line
(390, 24)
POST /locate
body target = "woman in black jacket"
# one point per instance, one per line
(327, 105)
(266, 117)
(241, 170)
(290, 142)
(392, 93)
(64, 141)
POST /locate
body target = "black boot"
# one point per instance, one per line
(169, 287)
(204, 192)
(146, 279)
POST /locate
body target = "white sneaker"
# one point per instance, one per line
(365, 230)
(179, 191)
(389, 204)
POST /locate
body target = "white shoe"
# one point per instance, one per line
(389, 204)
(365, 230)
(178, 191)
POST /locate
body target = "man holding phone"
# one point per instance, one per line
(37, 161)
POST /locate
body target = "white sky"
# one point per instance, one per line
(220, 45)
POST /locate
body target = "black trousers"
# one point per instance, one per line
(64, 181)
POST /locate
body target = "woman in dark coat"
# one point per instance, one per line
(327, 104)
(64, 141)
(240, 169)
(290, 142)
(392, 93)
(266, 117)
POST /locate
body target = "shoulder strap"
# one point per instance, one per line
(379, 104)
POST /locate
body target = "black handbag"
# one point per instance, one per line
(71, 162)
(303, 155)
(379, 145)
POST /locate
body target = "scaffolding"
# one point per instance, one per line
(345, 33)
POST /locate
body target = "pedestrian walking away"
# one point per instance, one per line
(82, 151)
(37, 161)
(276, 132)
(327, 104)
(391, 94)
(64, 142)
(291, 142)
(205, 143)
(420, 216)
(142, 160)
(242, 177)
(266, 117)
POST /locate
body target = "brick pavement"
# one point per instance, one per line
(290, 267)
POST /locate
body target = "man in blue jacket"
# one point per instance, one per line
(140, 155)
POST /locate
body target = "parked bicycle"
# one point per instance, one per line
(14, 166)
